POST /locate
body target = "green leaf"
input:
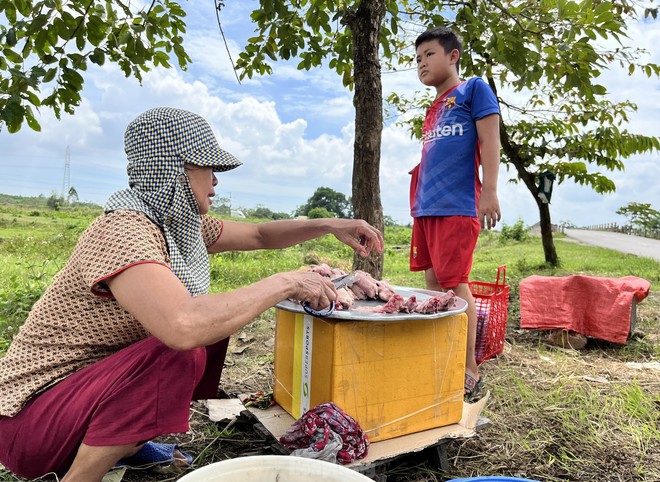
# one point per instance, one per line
(52, 34)
(140, 51)
(49, 75)
(32, 98)
(41, 45)
(37, 23)
(602, 8)
(161, 58)
(69, 20)
(23, 7)
(61, 29)
(10, 12)
(48, 59)
(72, 79)
(81, 39)
(98, 56)
(96, 30)
(600, 90)
(13, 56)
(10, 37)
(124, 37)
(32, 122)
(394, 25)
(13, 114)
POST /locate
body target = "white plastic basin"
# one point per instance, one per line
(267, 468)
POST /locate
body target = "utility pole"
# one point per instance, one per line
(66, 182)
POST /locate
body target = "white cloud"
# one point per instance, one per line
(73, 130)
(210, 57)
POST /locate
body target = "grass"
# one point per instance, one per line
(557, 414)
(581, 430)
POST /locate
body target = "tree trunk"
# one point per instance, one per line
(513, 153)
(528, 179)
(546, 234)
(364, 24)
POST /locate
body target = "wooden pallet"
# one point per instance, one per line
(273, 422)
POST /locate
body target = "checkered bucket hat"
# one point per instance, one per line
(158, 143)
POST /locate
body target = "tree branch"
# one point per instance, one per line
(218, 5)
(512, 151)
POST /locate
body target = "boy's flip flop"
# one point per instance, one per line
(472, 387)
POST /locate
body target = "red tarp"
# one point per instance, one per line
(596, 307)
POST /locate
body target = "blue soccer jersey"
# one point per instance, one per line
(446, 181)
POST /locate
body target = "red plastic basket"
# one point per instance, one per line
(492, 301)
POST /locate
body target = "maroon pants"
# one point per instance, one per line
(134, 395)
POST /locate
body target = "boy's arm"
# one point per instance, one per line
(488, 129)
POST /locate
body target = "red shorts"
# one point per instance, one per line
(132, 396)
(445, 244)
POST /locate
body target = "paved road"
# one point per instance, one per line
(649, 248)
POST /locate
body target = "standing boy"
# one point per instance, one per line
(449, 203)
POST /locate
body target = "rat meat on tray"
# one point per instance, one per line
(365, 287)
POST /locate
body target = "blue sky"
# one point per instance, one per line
(293, 131)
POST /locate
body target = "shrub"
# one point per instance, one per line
(398, 235)
(317, 213)
(55, 202)
(517, 232)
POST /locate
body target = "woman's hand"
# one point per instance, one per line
(311, 287)
(358, 234)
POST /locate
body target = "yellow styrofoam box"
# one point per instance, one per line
(393, 377)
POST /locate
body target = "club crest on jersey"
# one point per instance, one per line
(450, 102)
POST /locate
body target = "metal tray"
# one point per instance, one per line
(405, 292)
